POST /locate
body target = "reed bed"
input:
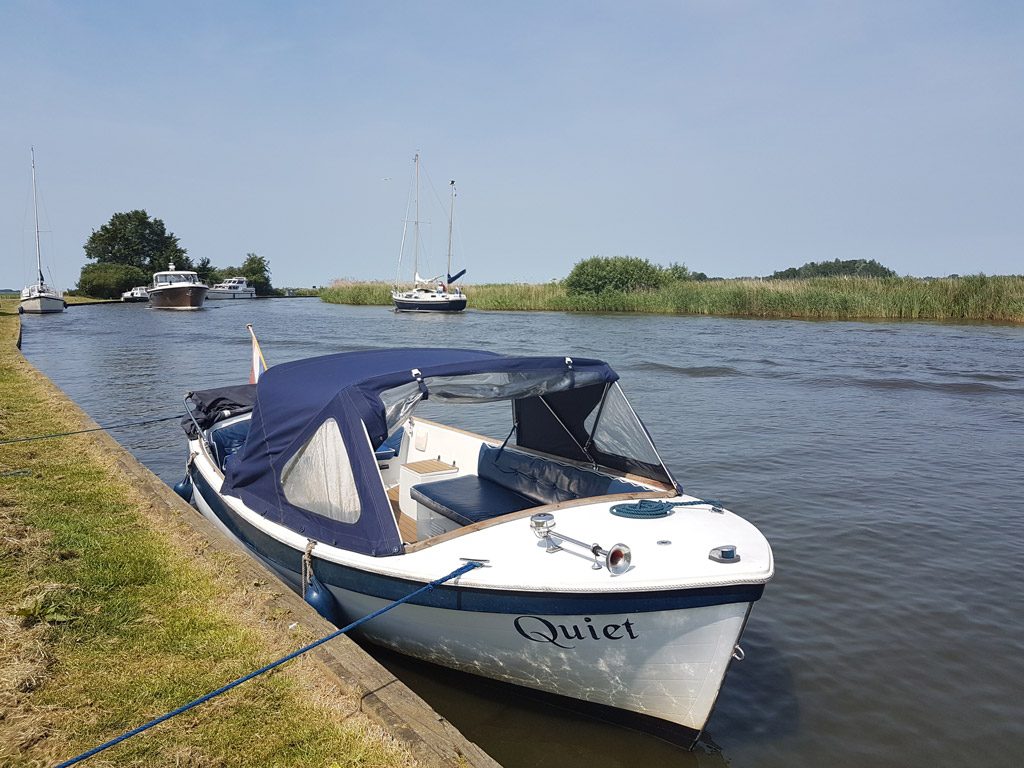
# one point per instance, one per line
(975, 297)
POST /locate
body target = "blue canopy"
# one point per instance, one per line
(294, 402)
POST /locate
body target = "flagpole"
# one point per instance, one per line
(256, 344)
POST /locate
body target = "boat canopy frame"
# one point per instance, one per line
(563, 407)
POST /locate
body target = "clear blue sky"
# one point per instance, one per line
(735, 137)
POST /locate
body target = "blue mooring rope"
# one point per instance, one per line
(650, 509)
(206, 697)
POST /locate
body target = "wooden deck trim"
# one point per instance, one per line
(523, 513)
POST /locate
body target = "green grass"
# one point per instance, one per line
(976, 297)
(108, 622)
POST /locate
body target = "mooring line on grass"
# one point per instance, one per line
(91, 429)
(235, 683)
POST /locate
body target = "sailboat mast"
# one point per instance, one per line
(416, 224)
(35, 214)
(451, 220)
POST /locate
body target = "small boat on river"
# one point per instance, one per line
(328, 471)
(232, 288)
(177, 289)
(39, 298)
(428, 294)
(137, 294)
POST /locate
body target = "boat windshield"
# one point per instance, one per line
(567, 413)
(166, 278)
(490, 387)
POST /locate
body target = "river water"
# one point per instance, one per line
(882, 460)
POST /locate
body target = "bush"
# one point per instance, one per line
(616, 273)
(109, 281)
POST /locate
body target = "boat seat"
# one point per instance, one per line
(391, 446)
(509, 481)
(545, 480)
(469, 499)
(226, 441)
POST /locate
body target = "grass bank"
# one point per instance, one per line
(107, 621)
(976, 297)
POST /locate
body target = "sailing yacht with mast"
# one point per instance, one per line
(428, 294)
(39, 298)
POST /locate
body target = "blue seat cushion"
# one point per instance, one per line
(546, 481)
(469, 499)
(227, 440)
(390, 447)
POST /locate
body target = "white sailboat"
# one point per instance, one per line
(432, 294)
(39, 298)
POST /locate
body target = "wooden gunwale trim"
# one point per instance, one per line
(440, 538)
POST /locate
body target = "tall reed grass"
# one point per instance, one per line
(975, 297)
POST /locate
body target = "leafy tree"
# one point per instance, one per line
(256, 269)
(616, 273)
(836, 268)
(207, 272)
(109, 281)
(133, 239)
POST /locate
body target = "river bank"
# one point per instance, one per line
(119, 604)
(971, 298)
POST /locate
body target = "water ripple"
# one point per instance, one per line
(696, 372)
(891, 384)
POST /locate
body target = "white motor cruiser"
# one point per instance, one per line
(232, 288)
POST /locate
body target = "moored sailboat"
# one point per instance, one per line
(39, 298)
(432, 294)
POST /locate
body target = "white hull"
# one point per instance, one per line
(215, 295)
(670, 668)
(41, 305)
(666, 666)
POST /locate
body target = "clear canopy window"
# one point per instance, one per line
(318, 478)
(562, 413)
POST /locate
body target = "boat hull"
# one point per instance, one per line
(655, 661)
(184, 297)
(42, 305)
(428, 303)
(215, 295)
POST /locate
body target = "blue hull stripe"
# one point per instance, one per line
(288, 562)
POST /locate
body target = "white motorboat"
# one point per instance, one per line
(232, 288)
(328, 472)
(177, 289)
(39, 298)
(428, 294)
(137, 294)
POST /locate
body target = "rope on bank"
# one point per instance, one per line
(93, 429)
(234, 683)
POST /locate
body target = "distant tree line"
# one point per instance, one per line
(129, 248)
(837, 268)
